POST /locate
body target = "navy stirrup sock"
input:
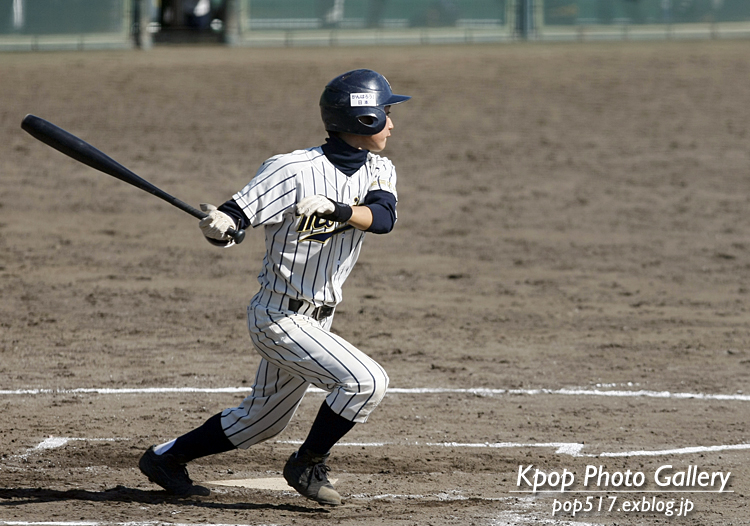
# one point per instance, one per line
(327, 429)
(208, 439)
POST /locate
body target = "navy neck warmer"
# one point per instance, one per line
(346, 158)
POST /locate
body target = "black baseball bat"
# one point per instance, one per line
(82, 151)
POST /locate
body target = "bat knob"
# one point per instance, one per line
(237, 235)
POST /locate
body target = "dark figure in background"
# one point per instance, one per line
(198, 13)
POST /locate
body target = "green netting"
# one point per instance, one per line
(61, 17)
(373, 13)
(575, 12)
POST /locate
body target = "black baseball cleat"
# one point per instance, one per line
(308, 474)
(166, 471)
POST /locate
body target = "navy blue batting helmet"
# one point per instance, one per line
(355, 102)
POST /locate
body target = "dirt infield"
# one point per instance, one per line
(568, 284)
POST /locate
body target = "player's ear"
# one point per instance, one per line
(367, 120)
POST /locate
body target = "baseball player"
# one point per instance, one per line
(315, 207)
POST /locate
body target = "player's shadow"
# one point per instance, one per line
(21, 496)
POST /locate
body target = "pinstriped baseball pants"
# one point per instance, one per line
(297, 351)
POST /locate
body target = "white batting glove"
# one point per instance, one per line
(315, 205)
(216, 224)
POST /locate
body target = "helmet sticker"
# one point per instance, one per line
(363, 99)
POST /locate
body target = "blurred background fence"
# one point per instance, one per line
(62, 24)
(57, 24)
(589, 19)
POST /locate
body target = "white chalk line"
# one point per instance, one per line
(738, 397)
(679, 451)
(561, 448)
(506, 518)
(55, 442)
(524, 511)
(98, 523)
(573, 449)
(513, 518)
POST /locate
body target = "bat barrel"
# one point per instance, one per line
(78, 149)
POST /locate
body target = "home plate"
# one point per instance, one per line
(274, 483)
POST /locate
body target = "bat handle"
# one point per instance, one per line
(237, 235)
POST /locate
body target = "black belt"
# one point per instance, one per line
(319, 313)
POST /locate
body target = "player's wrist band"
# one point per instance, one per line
(341, 213)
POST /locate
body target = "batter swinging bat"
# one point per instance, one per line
(82, 151)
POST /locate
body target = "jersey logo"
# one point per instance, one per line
(319, 229)
(314, 228)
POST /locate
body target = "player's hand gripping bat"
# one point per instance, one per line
(82, 151)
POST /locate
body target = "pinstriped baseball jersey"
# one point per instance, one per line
(309, 258)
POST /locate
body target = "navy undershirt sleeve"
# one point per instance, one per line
(233, 210)
(382, 204)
